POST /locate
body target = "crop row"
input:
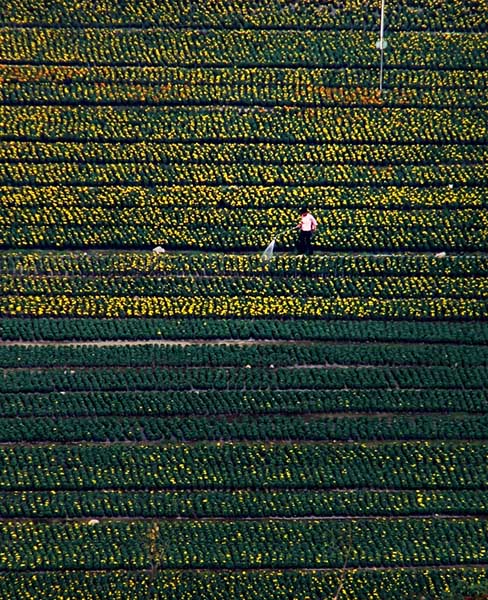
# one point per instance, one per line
(220, 124)
(215, 229)
(232, 378)
(152, 199)
(242, 428)
(233, 403)
(456, 15)
(241, 503)
(140, 264)
(252, 306)
(26, 199)
(239, 329)
(93, 153)
(434, 81)
(356, 584)
(126, 85)
(256, 355)
(149, 199)
(260, 224)
(243, 544)
(235, 87)
(239, 174)
(438, 465)
(189, 286)
(246, 48)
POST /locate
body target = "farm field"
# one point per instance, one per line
(201, 423)
(255, 447)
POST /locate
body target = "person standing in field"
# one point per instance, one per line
(306, 227)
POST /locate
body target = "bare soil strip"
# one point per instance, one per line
(240, 442)
(277, 569)
(228, 519)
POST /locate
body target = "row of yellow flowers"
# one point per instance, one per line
(244, 87)
(146, 264)
(213, 228)
(213, 154)
(279, 82)
(38, 263)
(150, 173)
(61, 199)
(242, 47)
(257, 124)
(252, 306)
(268, 13)
(163, 285)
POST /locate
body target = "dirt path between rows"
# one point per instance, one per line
(157, 342)
(232, 342)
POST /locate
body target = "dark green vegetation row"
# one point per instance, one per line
(235, 403)
(243, 503)
(438, 465)
(189, 429)
(251, 355)
(244, 544)
(241, 329)
(273, 584)
(242, 379)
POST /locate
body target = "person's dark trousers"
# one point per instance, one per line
(304, 243)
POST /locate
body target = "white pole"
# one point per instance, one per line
(382, 43)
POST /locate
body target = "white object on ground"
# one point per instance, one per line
(267, 255)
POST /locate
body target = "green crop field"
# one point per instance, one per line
(202, 424)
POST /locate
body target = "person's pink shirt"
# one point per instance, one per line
(308, 223)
